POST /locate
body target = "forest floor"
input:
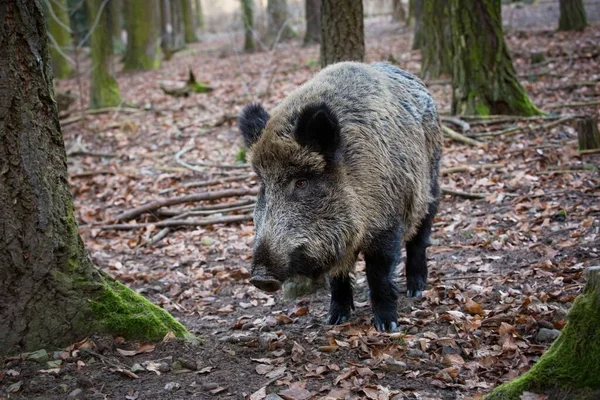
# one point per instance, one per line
(505, 267)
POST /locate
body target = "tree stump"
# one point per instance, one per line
(588, 134)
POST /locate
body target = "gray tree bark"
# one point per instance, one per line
(312, 10)
(572, 16)
(342, 31)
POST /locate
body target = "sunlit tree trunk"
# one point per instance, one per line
(417, 17)
(312, 10)
(189, 21)
(61, 42)
(143, 34)
(52, 295)
(104, 90)
(572, 16)
(436, 45)
(278, 21)
(483, 77)
(342, 31)
(248, 21)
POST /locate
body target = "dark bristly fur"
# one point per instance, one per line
(348, 162)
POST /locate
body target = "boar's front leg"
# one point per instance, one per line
(341, 299)
(381, 259)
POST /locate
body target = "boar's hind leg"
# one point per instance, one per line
(381, 259)
(341, 299)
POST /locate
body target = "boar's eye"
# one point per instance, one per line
(301, 183)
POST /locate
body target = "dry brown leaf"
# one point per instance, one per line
(473, 308)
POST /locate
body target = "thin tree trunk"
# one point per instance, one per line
(278, 21)
(417, 15)
(572, 16)
(398, 11)
(312, 10)
(166, 28)
(143, 34)
(52, 295)
(342, 31)
(483, 77)
(200, 15)
(116, 23)
(104, 90)
(248, 21)
(61, 42)
(436, 45)
(189, 21)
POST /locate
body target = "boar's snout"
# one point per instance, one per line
(264, 270)
(266, 283)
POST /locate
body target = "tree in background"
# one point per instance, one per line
(52, 294)
(142, 20)
(199, 14)
(436, 45)
(279, 21)
(59, 30)
(116, 23)
(79, 21)
(312, 10)
(171, 27)
(398, 11)
(248, 21)
(104, 91)
(483, 77)
(572, 16)
(342, 31)
(189, 21)
(417, 17)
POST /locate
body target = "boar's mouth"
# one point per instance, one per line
(266, 283)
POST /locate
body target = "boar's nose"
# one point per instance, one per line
(263, 270)
(266, 283)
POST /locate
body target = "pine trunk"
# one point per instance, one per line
(248, 21)
(52, 295)
(483, 77)
(189, 21)
(436, 45)
(279, 22)
(143, 34)
(572, 16)
(417, 16)
(104, 90)
(60, 39)
(342, 31)
(312, 10)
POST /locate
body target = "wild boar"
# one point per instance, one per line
(347, 163)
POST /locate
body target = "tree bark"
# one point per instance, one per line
(312, 10)
(483, 78)
(570, 368)
(189, 21)
(143, 34)
(178, 24)
(342, 31)
(436, 45)
(104, 91)
(588, 134)
(166, 28)
(61, 42)
(248, 21)
(52, 295)
(116, 23)
(199, 14)
(572, 16)
(417, 16)
(279, 22)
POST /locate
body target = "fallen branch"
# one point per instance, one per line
(465, 195)
(522, 129)
(575, 104)
(204, 196)
(86, 174)
(205, 183)
(201, 166)
(211, 209)
(468, 168)
(159, 236)
(587, 152)
(464, 125)
(177, 223)
(461, 138)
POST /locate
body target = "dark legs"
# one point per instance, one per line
(341, 299)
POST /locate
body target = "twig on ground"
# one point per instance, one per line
(588, 152)
(468, 168)
(211, 207)
(522, 129)
(159, 236)
(457, 278)
(205, 183)
(574, 104)
(86, 174)
(229, 219)
(79, 149)
(199, 212)
(466, 195)
(201, 166)
(461, 138)
(464, 125)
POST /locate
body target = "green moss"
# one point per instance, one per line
(121, 311)
(572, 364)
(200, 87)
(241, 155)
(143, 30)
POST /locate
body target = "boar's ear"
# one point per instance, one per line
(319, 130)
(252, 121)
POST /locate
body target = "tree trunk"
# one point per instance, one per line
(189, 21)
(61, 42)
(570, 368)
(199, 14)
(312, 10)
(279, 21)
(178, 25)
(588, 134)
(398, 12)
(342, 31)
(166, 28)
(411, 13)
(483, 78)
(143, 34)
(104, 90)
(417, 15)
(78, 18)
(116, 23)
(248, 21)
(572, 16)
(52, 295)
(436, 45)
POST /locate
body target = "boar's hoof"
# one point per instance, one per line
(266, 283)
(413, 293)
(337, 319)
(385, 326)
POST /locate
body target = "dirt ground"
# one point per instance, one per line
(505, 266)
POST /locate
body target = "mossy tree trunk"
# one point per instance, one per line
(61, 42)
(104, 90)
(570, 368)
(116, 23)
(436, 45)
(142, 20)
(417, 17)
(248, 21)
(189, 21)
(52, 295)
(312, 10)
(178, 25)
(342, 31)
(279, 23)
(199, 14)
(572, 16)
(483, 77)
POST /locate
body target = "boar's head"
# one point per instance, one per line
(303, 212)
